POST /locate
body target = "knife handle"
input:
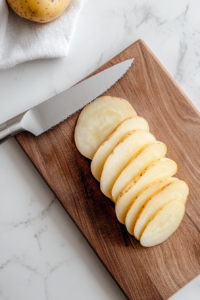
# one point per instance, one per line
(5, 133)
(11, 128)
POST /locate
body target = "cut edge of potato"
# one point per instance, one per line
(143, 197)
(97, 120)
(104, 150)
(128, 147)
(163, 224)
(147, 156)
(130, 192)
(175, 190)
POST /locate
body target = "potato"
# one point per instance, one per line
(176, 190)
(128, 147)
(165, 222)
(142, 198)
(132, 169)
(112, 140)
(162, 168)
(150, 154)
(41, 11)
(97, 120)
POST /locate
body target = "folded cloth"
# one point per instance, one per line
(22, 40)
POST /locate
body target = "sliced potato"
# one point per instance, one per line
(135, 167)
(97, 120)
(129, 146)
(142, 198)
(176, 190)
(162, 168)
(112, 140)
(163, 224)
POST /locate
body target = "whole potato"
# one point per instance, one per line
(41, 11)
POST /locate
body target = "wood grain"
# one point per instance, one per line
(142, 273)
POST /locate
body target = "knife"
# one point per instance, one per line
(58, 108)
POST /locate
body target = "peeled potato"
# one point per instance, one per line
(132, 170)
(97, 120)
(129, 146)
(165, 222)
(176, 190)
(162, 168)
(112, 140)
(142, 198)
(150, 154)
(41, 11)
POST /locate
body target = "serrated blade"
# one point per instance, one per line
(56, 109)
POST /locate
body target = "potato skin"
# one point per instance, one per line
(40, 11)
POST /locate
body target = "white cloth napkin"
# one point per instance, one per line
(22, 40)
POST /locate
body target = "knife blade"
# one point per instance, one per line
(58, 108)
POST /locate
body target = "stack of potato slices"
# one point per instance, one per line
(132, 169)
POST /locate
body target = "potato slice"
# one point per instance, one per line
(176, 190)
(97, 120)
(135, 167)
(142, 198)
(163, 224)
(162, 168)
(131, 144)
(112, 140)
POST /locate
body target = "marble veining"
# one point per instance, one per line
(42, 254)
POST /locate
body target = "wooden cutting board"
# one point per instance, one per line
(142, 273)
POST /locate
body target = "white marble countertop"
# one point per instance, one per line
(42, 254)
